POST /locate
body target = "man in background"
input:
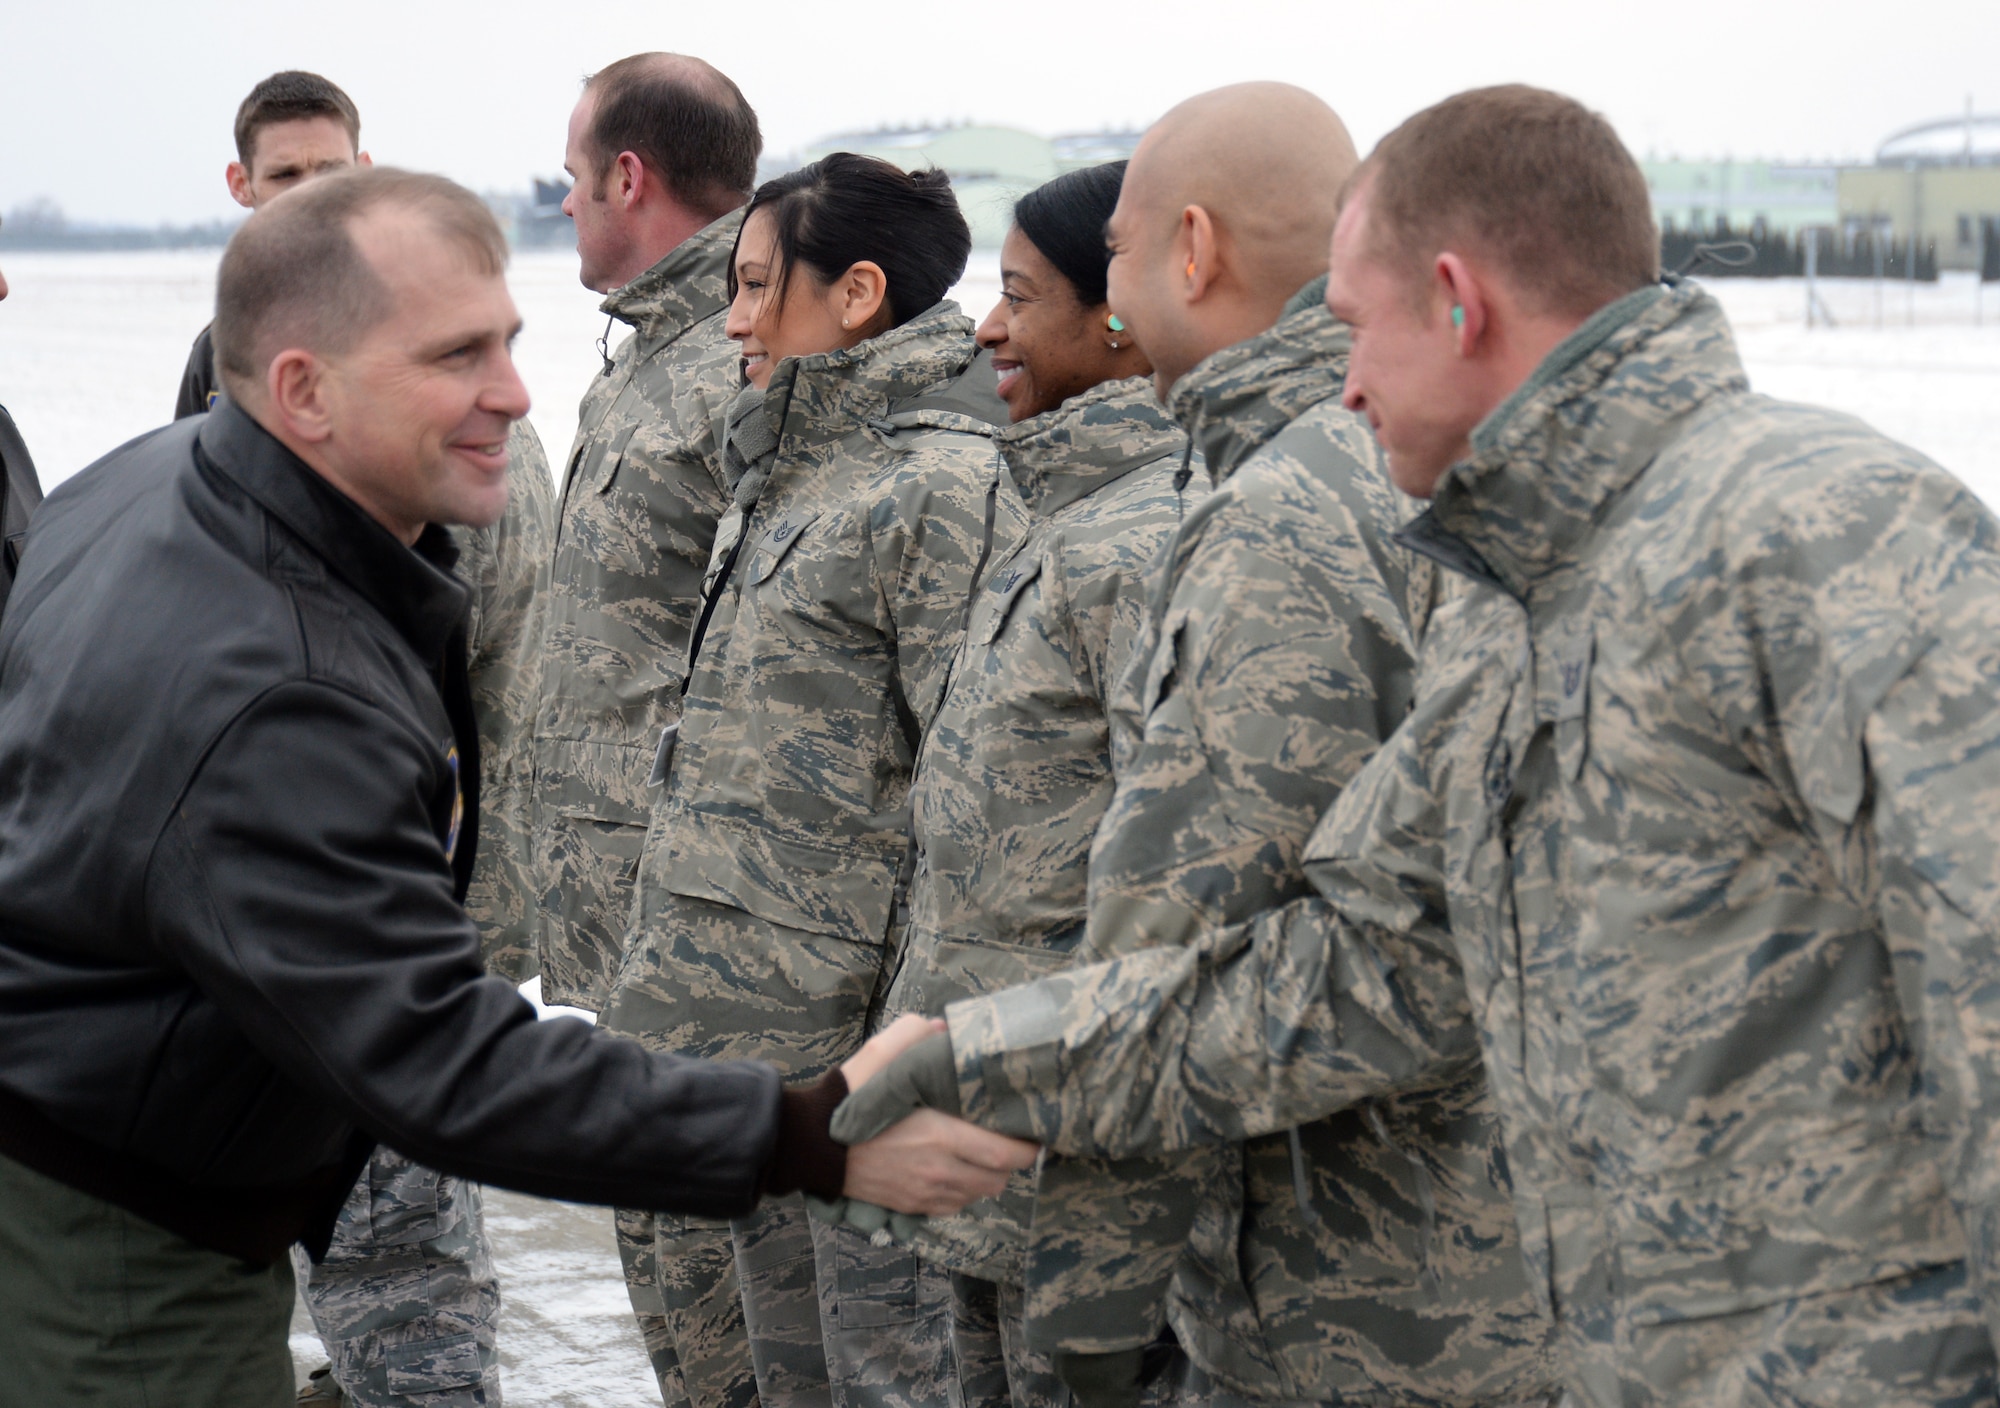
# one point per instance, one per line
(20, 492)
(294, 126)
(663, 153)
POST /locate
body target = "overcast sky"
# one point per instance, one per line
(121, 109)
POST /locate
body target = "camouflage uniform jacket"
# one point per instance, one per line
(1369, 1257)
(507, 567)
(1015, 772)
(641, 495)
(772, 868)
(1699, 776)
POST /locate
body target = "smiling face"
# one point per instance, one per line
(1405, 372)
(284, 154)
(420, 407)
(804, 322)
(1047, 344)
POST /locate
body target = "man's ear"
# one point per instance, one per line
(238, 177)
(631, 179)
(1458, 287)
(296, 383)
(1199, 241)
(363, 159)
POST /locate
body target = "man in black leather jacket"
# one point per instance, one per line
(238, 807)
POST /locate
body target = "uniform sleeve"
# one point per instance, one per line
(929, 538)
(507, 566)
(1350, 993)
(1865, 668)
(302, 884)
(1282, 661)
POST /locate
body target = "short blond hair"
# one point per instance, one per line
(1533, 179)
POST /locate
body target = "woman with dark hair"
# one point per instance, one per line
(868, 494)
(1018, 768)
(1053, 334)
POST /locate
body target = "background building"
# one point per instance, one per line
(1779, 197)
(1939, 181)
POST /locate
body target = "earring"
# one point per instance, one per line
(843, 322)
(1116, 344)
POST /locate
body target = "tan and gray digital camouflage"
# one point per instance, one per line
(1015, 773)
(771, 872)
(1367, 1256)
(507, 566)
(642, 491)
(1690, 836)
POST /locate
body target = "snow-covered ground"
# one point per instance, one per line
(92, 345)
(91, 351)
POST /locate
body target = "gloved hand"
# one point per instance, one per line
(1114, 1380)
(882, 1226)
(924, 1077)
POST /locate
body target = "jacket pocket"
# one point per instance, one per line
(848, 894)
(777, 542)
(939, 969)
(1843, 1211)
(996, 602)
(614, 458)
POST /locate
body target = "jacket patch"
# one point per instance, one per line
(457, 803)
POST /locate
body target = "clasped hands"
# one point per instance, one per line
(908, 1151)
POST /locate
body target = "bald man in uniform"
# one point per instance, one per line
(1369, 1256)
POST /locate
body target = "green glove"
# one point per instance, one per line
(882, 1226)
(923, 1078)
(1112, 1380)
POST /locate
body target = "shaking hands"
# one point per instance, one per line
(909, 1151)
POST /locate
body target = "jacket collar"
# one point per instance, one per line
(1089, 440)
(1552, 457)
(413, 589)
(1237, 399)
(819, 399)
(690, 284)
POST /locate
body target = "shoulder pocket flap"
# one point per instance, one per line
(847, 894)
(1562, 693)
(996, 603)
(778, 540)
(609, 457)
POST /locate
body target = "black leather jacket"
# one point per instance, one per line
(237, 810)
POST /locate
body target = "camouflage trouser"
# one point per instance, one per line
(835, 1320)
(405, 1299)
(1197, 1390)
(997, 1368)
(774, 1269)
(886, 1314)
(681, 1275)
